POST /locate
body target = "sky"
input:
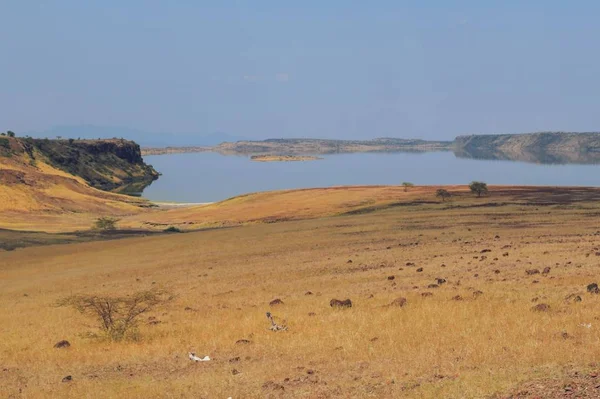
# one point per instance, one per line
(330, 69)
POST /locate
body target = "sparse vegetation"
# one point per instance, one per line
(118, 317)
(225, 282)
(407, 185)
(172, 229)
(443, 194)
(479, 188)
(106, 223)
(452, 289)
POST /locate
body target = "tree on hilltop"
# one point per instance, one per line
(478, 187)
(443, 194)
(407, 185)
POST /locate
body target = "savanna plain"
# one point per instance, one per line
(463, 298)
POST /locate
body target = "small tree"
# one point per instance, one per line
(10, 133)
(106, 223)
(407, 185)
(443, 194)
(118, 317)
(478, 187)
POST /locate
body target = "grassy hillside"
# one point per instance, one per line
(287, 205)
(473, 336)
(37, 195)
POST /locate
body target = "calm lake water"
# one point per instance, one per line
(208, 177)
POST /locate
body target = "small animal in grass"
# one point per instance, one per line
(275, 326)
(195, 358)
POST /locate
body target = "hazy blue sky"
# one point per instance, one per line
(335, 68)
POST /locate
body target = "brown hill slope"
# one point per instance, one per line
(34, 193)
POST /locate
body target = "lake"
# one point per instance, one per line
(208, 176)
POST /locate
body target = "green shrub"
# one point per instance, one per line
(106, 223)
(172, 229)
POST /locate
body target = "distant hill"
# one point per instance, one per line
(144, 138)
(542, 147)
(322, 146)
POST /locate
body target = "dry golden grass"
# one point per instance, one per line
(433, 347)
(45, 198)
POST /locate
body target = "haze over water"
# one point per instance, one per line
(208, 177)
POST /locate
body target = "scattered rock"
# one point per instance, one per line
(311, 314)
(593, 288)
(477, 293)
(410, 264)
(234, 359)
(566, 335)
(541, 307)
(67, 379)
(532, 272)
(308, 293)
(273, 386)
(483, 251)
(497, 271)
(243, 342)
(546, 270)
(336, 303)
(420, 269)
(391, 277)
(276, 302)
(62, 344)
(573, 298)
(431, 286)
(457, 298)
(349, 261)
(400, 302)
(426, 294)
(235, 372)
(440, 281)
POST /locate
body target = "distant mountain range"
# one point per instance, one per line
(143, 138)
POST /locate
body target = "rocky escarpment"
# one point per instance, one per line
(110, 165)
(544, 147)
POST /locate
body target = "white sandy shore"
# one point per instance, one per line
(179, 204)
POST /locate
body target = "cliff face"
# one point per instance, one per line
(545, 147)
(110, 165)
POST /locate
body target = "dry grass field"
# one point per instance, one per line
(473, 336)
